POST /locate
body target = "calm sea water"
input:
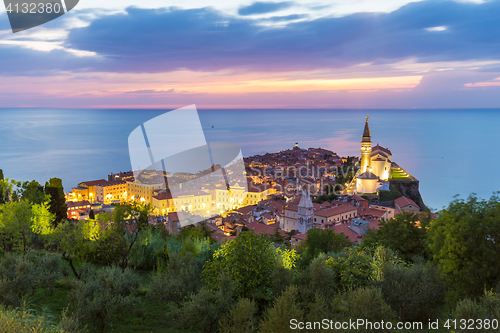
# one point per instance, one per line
(449, 151)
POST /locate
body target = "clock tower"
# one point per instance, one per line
(366, 148)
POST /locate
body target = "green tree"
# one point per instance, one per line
(202, 311)
(9, 190)
(1, 188)
(285, 308)
(486, 308)
(42, 219)
(323, 241)
(414, 293)
(33, 192)
(58, 207)
(200, 231)
(76, 242)
(249, 260)
(353, 268)
(362, 303)
(465, 243)
(15, 223)
(180, 279)
(104, 295)
(241, 318)
(322, 277)
(403, 233)
(276, 237)
(21, 275)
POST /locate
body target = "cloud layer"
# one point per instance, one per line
(202, 39)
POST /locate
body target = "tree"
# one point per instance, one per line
(486, 308)
(241, 318)
(33, 192)
(365, 302)
(15, 223)
(58, 207)
(414, 293)
(91, 215)
(323, 241)
(322, 277)
(42, 219)
(104, 294)
(180, 279)
(20, 275)
(118, 240)
(202, 311)
(76, 242)
(276, 237)
(465, 243)
(285, 308)
(403, 233)
(249, 260)
(9, 190)
(353, 268)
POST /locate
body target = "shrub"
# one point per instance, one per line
(180, 279)
(241, 318)
(415, 293)
(104, 295)
(25, 321)
(487, 307)
(20, 276)
(202, 311)
(277, 319)
(366, 303)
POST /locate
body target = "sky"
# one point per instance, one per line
(247, 54)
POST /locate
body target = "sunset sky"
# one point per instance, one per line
(244, 54)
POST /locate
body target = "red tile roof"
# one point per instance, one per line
(378, 147)
(94, 182)
(163, 196)
(245, 210)
(357, 198)
(404, 201)
(335, 210)
(378, 213)
(72, 204)
(344, 229)
(261, 228)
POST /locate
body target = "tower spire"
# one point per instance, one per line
(366, 133)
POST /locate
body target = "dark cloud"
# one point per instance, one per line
(202, 39)
(149, 40)
(264, 7)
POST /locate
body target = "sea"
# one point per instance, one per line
(450, 151)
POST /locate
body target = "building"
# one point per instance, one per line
(406, 204)
(110, 192)
(78, 209)
(333, 215)
(163, 203)
(305, 213)
(375, 168)
(148, 184)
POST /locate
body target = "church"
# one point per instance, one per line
(375, 166)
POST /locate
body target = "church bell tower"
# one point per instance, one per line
(366, 148)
